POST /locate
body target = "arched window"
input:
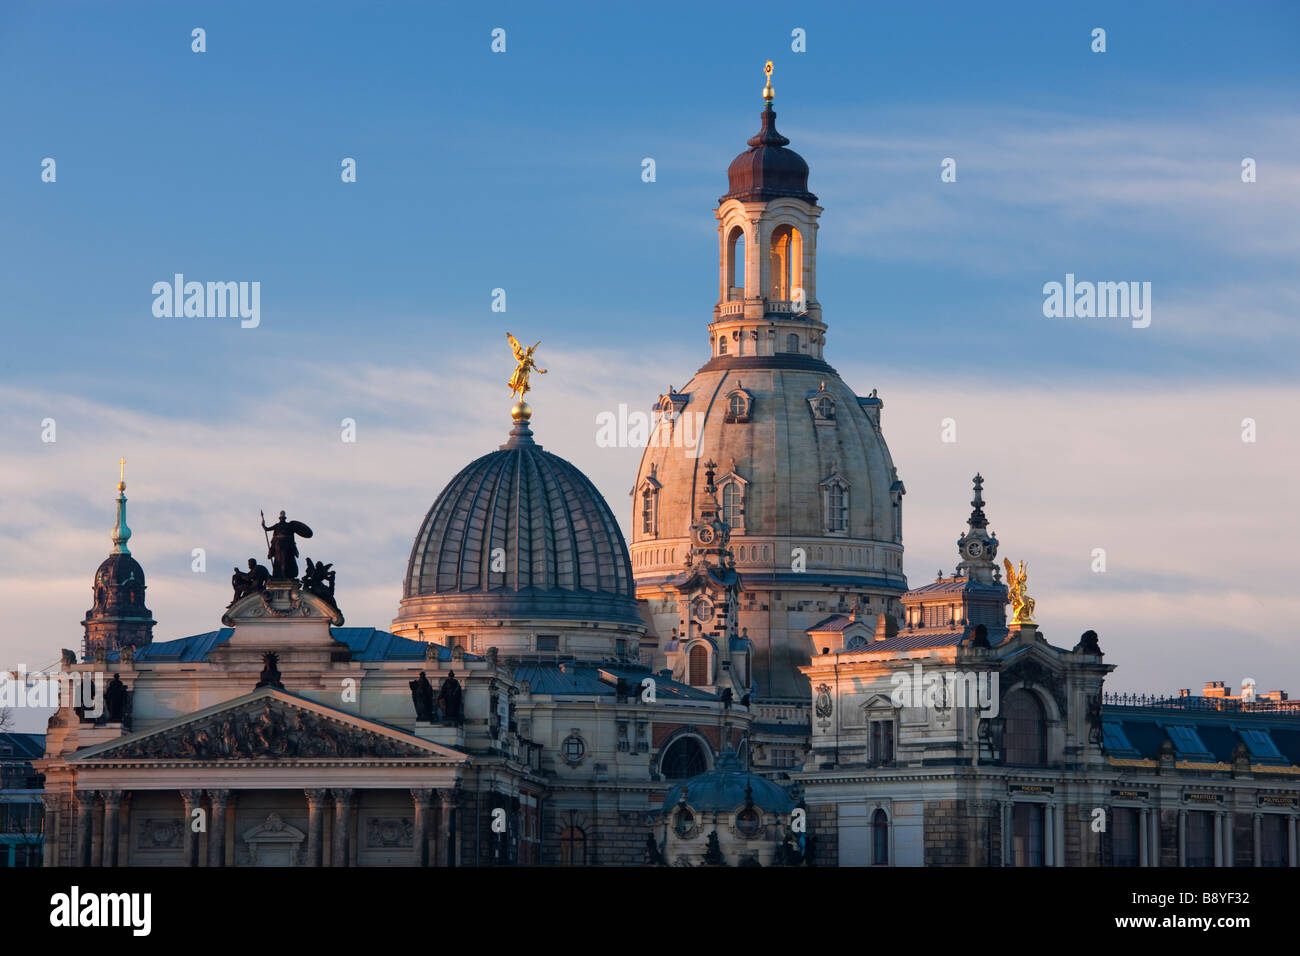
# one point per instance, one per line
(722, 345)
(1026, 730)
(785, 261)
(837, 507)
(699, 669)
(880, 838)
(573, 847)
(825, 407)
(733, 503)
(737, 405)
(683, 759)
(736, 264)
(649, 500)
(792, 342)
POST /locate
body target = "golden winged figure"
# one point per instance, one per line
(518, 383)
(1022, 605)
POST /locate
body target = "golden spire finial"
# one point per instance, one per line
(518, 384)
(121, 485)
(768, 93)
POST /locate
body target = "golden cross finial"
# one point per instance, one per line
(121, 485)
(768, 93)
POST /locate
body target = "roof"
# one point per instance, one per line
(958, 585)
(22, 746)
(365, 643)
(520, 533)
(767, 169)
(910, 641)
(600, 680)
(1139, 732)
(724, 789)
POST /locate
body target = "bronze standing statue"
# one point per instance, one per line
(281, 548)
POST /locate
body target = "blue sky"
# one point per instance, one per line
(522, 170)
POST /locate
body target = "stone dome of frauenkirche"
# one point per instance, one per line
(518, 534)
(805, 480)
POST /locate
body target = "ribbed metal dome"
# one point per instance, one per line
(520, 533)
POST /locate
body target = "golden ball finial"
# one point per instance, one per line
(521, 411)
(769, 94)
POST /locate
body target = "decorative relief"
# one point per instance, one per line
(166, 833)
(384, 832)
(264, 730)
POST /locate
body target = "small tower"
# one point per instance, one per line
(119, 617)
(767, 245)
(974, 594)
(978, 548)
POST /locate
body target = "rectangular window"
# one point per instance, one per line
(1272, 840)
(882, 742)
(548, 642)
(1027, 834)
(1124, 836)
(1200, 838)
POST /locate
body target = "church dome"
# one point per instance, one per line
(726, 788)
(519, 534)
(767, 170)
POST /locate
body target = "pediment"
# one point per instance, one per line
(269, 725)
(290, 603)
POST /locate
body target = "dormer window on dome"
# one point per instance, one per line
(822, 404)
(731, 493)
(739, 405)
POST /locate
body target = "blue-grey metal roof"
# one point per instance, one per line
(1270, 738)
(723, 789)
(600, 680)
(365, 644)
(22, 746)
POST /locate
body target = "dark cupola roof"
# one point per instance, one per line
(767, 170)
(521, 533)
(119, 616)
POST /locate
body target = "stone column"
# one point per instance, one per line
(1007, 859)
(315, 825)
(1059, 814)
(217, 830)
(1258, 824)
(112, 817)
(446, 828)
(342, 826)
(85, 823)
(1143, 846)
(1218, 838)
(193, 800)
(51, 830)
(1153, 828)
(423, 800)
(1292, 841)
(1049, 835)
(1182, 837)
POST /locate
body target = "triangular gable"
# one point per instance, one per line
(268, 724)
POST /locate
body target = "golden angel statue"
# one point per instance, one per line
(1022, 605)
(518, 383)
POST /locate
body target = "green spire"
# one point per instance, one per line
(121, 533)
